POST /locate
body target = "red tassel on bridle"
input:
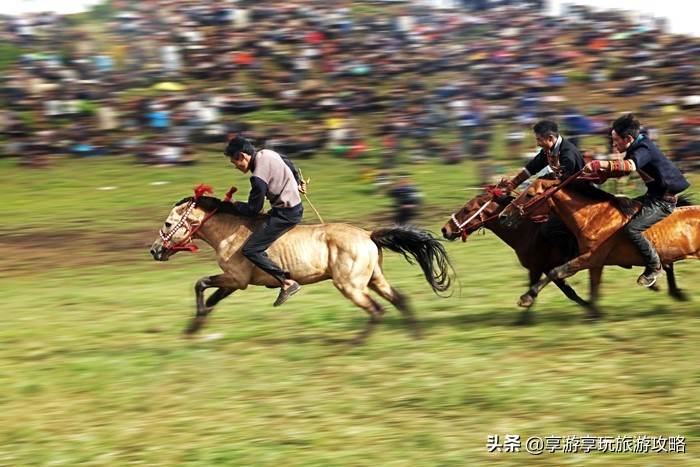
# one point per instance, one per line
(202, 190)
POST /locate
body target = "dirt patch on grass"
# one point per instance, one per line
(24, 253)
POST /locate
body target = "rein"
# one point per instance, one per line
(187, 243)
(526, 209)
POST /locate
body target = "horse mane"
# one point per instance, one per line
(207, 203)
(210, 203)
(504, 200)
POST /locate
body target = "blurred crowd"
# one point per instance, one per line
(399, 81)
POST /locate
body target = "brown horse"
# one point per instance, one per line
(351, 257)
(597, 223)
(534, 252)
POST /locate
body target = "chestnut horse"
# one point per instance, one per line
(351, 257)
(597, 224)
(534, 252)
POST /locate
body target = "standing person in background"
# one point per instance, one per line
(274, 177)
(663, 180)
(406, 199)
(564, 159)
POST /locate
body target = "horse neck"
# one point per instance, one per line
(585, 216)
(221, 226)
(512, 237)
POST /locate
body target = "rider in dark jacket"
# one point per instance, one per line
(663, 180)
(564, 159)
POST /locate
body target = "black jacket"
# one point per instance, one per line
(568, 158)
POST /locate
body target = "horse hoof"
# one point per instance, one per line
(592, 317)
(679, 295)
(526, 301)
(194, 326)
(525, 319)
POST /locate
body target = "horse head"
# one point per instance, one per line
(532, 203)
(178, 231)
(474, 214)
(185, 220)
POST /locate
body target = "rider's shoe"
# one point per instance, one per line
(650, 276)
(285, 294)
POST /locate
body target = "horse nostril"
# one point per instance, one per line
(444, 231)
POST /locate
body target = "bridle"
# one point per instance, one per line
(187, 243)
(461, 226)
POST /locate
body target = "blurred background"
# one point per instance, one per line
(112, 111)
(386, 82)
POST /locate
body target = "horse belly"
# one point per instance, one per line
(675, 238)
(305, 259)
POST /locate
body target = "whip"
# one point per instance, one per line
(307, 198)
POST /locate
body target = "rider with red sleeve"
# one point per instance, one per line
(663, 180)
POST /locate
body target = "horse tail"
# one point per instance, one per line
(686, 199)
(419, 245)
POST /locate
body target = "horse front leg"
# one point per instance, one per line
(204, 308)
(558, 273)
(595, 276)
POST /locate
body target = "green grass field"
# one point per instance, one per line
(94, 371)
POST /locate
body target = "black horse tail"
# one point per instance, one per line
(686, 199)
(421, 246)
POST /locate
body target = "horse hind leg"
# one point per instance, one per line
(380, 285)
(361, 298)
(595, 277)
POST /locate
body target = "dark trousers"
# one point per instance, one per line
(404, 216)
(652, 211)
(559, 235)
(279, 222)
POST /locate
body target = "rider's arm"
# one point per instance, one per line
(256, 198)
(612, 168)
(515, 182)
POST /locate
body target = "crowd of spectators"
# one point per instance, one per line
(398, 81)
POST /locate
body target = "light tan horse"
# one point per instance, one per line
(349, 256)
(597, 224)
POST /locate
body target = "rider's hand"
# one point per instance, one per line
(505, 185)
(302, 187)
(592, 167)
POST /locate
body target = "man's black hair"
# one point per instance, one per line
(546, 128)
(237, 145)
(626, 126)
